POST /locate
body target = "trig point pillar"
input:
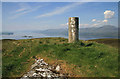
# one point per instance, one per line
(73, 29)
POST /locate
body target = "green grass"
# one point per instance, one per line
(91, 59)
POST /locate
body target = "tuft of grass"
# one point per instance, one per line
(86, 58)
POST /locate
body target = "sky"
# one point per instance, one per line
(0, 16)
(26, 16)
(60, 0)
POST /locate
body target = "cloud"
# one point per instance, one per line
(105, 21)
(109, 14)
(24, 9)
(20, 10)
(96, 24)
(83, 25)
(60, 10)
(93, 20)
(99, 23)
(64, 24)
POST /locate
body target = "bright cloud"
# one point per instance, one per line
(83, 25)
(99, 23)
(95, 24)
(20, 10)
(64, 24)
(105, 21)
(109, 14)
(93, 20)
(60, 10)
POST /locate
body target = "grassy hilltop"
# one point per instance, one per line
(81, 59)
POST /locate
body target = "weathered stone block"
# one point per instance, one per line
(73, 29)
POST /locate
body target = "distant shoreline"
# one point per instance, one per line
(65, 38)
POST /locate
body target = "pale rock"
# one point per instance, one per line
(34, 65)
(40, 69)
(25, 76)
(57, 68)
(49, 76)
(43, 74)
(41, 59)
(34, 74)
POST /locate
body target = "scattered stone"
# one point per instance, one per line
(41, 69)
(34, 65)
(57, 68)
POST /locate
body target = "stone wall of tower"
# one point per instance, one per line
(73, 29)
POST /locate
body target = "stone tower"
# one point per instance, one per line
(73, 29)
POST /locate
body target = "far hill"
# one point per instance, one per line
(94, 32)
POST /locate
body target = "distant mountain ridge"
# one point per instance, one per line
(104, 31)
